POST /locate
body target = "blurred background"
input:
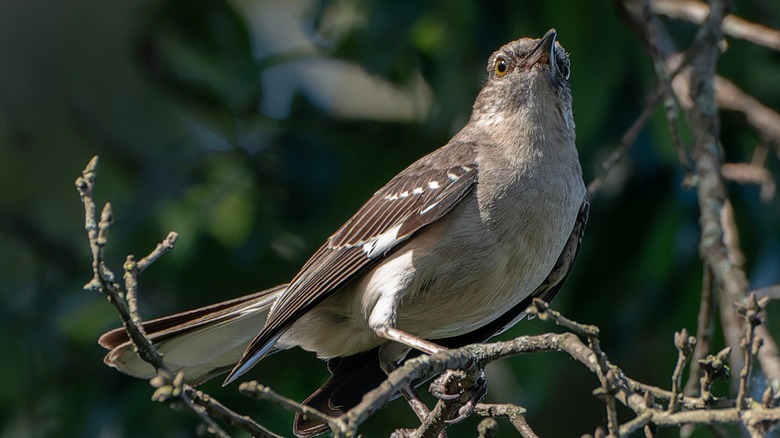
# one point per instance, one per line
(255, 128)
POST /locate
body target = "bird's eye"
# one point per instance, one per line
(501, 66)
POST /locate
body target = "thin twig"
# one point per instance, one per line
(696, 12)
(665, 83)
(103, 280)
(173, 391)
(604, 371)
(212, 425)
(685, 345)
(613, 424)
(750, 345)
(704, 329)
(628, 139)
(773, 292)
(162, 247)
(261, 392)
(543, 310)
(714, 368)
(217, 410)
(515, 414)
(748, 173)
(747, 418)
(765, 120)
(169, 389)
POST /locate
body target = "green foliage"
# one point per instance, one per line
(225, 121)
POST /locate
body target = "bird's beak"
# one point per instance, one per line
(544, 52)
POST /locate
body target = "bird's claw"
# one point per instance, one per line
(454, 385)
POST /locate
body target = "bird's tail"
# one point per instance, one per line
(202, 343)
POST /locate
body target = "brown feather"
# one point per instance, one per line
(343, 257)
(162, 328)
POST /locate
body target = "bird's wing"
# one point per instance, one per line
(554, 281)
(418, 196)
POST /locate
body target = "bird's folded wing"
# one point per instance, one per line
(418, 196)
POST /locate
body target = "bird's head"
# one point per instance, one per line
(528, 78)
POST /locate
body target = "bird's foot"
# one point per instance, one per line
(460, 385)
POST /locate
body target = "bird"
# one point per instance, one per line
(451, 251)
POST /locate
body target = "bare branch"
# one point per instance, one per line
(685, 345)
(515, 414)
(748, 173)
(703, 116)
(696, 12)
(217, 410)
(773, 292)
(748, 418)
(163, 247)
(714, 369)
(169, 389)
(765, 120)
(103, 280)
(704, 330)
(628, 139)
(542, 309)
(261, 392)
(665, 78)
(750, 343)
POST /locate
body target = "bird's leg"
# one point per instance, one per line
(383, 322)
(408, 339)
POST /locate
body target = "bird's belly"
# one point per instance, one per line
(479, 272)
(443, 311)
(462, 296)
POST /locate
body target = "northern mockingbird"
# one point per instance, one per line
(451, 251)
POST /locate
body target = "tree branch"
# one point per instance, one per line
(169, 389)
(696, 12)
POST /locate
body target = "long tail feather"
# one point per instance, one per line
(202, 343)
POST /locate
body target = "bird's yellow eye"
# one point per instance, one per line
(501, 66)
